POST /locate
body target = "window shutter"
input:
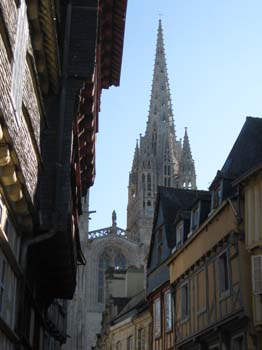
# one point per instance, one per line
(19, 59)
(257, 274)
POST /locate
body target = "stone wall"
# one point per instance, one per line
(85, 310)
(18, 133)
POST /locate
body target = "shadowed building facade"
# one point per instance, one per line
(55, 58)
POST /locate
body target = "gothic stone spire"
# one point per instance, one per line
(187, 174)
(156, 160)
(159, 159)
(160, 103)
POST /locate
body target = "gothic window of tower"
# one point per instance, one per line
(114, 258)
(120, 261)
(149, 182)
(103, 264)
(143, 182)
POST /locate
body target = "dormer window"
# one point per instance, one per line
(217, 196)
(179, 234)
(195, 218)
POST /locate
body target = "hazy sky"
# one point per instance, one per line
(214, 58)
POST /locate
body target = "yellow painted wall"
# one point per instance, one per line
(202, 242)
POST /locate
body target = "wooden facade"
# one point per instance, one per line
(207, 278)
(51, 53)
(162, 325)
(172, 205)
(216, 274)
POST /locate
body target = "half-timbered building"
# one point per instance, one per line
(171, 205)
(55, 57)
(211, 273)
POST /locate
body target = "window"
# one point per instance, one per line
(168, 311)
(257, 274)
(19, 59)
(149, 182)
(2, 284)
(103, 265)
(120, 261)
(195, 218)
(118, 345)
(238, 342)
(223, 268)
(130, 343)
(141, 339)
(217, 196)
(167, 182)
(184, 301)
(167, 173)
(13, 238)
(143, 182)
(157, 318)
(179, 234)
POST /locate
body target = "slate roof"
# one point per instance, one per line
(173, 200)
(132, 307)
(247, 150)
(182, 215)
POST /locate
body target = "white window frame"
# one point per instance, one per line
(141, 338)
(217, 192)
(179, 234)
(195, 218)
(157, 318)
(19, 60)
(185, 316)
(130, 342)
(168, 311)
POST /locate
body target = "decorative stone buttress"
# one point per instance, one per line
(159, 158)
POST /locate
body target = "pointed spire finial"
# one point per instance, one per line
(114, 218)
(186, 146)
(187, 166)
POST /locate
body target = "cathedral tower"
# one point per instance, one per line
(159, 159)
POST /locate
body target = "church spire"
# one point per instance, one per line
(158, 159)
(160, 103)
(187, 166)
(186, 153)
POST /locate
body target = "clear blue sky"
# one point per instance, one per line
(214, 57)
